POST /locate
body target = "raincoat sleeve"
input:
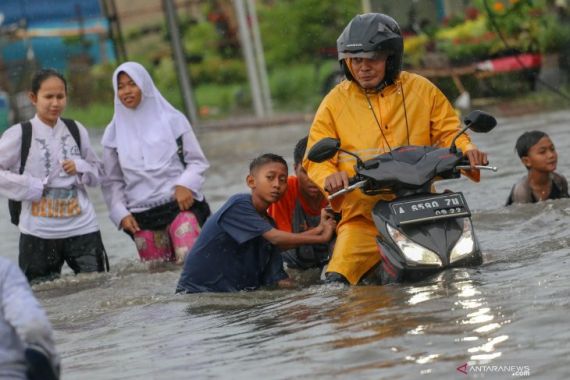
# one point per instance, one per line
(113, 186)
(20, 187)
(89, 167)
(444, 126)
(23, 312)
(196, 163)
(323, 126)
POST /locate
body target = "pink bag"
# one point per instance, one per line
(172, 244)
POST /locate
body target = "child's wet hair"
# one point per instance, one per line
(264, 159)
(527, 140)
(42, 75)
(300, 149)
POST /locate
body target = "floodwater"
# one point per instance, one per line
(507, 318)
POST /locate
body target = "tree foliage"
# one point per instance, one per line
(298, 30)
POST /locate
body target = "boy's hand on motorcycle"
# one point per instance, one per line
(328, 218)
(335, 215)
(476, 157)
(336, 181)
(328, 224)
(329, 229)
(326, 215)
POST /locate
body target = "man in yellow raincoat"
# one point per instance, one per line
(379, 107)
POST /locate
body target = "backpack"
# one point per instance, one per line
(201, 209)
(15, 207)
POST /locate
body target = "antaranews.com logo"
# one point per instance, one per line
(512, 370)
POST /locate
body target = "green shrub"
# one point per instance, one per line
(554, 36)
(95, 115)
(165, 75)
(202, 40)
(294, 86)
(217, 70)
(102, 82)
(296, 30)
(215, 100)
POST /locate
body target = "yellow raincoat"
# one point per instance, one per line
(427, 119)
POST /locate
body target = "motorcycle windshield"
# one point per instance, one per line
(410, 167)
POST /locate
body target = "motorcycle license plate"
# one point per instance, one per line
(442, 206)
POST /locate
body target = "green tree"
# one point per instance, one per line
(298, 30)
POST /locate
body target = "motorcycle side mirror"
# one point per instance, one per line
(480, 122)
(324, 149)
(477, 121)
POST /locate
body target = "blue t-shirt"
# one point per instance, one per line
(231, 254)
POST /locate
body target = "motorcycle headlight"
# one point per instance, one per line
(465, 244)
(413, 251)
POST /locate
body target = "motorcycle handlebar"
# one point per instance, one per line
(346, 190)
(355, 184)
(480, 167)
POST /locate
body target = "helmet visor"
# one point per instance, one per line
(364, 54)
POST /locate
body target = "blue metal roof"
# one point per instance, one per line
(47, 24)
(47, 11)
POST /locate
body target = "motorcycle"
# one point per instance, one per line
(420, 232)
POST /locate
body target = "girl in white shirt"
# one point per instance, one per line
(154, 169)
(57, 221)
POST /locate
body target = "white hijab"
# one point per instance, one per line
(145, 137)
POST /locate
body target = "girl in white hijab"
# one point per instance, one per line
(154, 169)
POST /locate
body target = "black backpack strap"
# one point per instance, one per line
(180, 150)
(15, 207)
(201, 209)
(26, 143)
(74, 130)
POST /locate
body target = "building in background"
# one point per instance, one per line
(68, 35)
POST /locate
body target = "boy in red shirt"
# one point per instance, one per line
(299, 210)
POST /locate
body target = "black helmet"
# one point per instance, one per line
(366, 35)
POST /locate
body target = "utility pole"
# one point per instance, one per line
(110, 11)
(260, 56)
(247, 49)
(180, 60)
